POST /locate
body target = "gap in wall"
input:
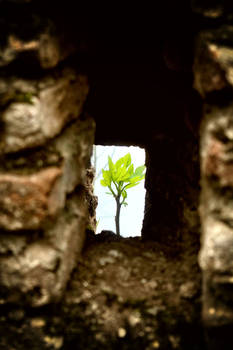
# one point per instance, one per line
(131, 216)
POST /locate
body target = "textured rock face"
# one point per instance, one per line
(216, 207)
(37, 111)
(213, 80)
(28, 200)
(37, 261)
(91, 199)
(213, 63)
(29, 37)
(47, 50)
(142, 93)
(40, 270)
(45, 147)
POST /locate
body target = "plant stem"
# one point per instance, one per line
(117, 217)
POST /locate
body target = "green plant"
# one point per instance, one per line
(119, 178)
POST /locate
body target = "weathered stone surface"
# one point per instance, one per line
(217, 247)
(36, 112)
(213, 79)
(213, 61)
(209, 9)
(92, 200)
(74, 146)
(39, 271)
(217, 157)
(217, 313)
(12, 244)
(47, 49)
(217, 189)
(208, 73)
(26, 201)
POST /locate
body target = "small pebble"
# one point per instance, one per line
(188, 290)
(106, 260)
(155, 344)
(56, 342)
(38, 322)
(212, 311)
(153, 310)
(121, 332)
(115, 253)
(134, 319)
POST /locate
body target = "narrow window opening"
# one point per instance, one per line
(131, 216)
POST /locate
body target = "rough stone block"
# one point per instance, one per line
(38, 272)
(217, 189)
(216, 163)
(91, 199)
(213, 61)
(26, 200)
(37, 111)
(210, 9)
(217, 295)
(35, 189)
(217, 246)
(44, 48)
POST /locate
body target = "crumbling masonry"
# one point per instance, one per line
(71, 77)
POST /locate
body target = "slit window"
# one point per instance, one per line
(131, 216)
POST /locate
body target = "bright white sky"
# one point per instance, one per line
(131, 216)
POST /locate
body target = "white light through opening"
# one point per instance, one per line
(131, 216)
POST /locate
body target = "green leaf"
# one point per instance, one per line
(103, 183)
(121, 173)
(119, 163)
(125, 178)
(127, 159)
(131, 185)
(111, 165)
(139, 170)
(130, 170)
(122, 168)
(134, 179)
(107, 177)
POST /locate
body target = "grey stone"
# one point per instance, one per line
(35, 115)
(41, 271)
(27, 201)
(216, 254)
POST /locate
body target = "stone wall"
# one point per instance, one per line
(133, 73)
(213, 80)
(45, 148)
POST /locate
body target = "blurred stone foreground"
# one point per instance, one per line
(46, 147)
(70, 77)
(46, 143)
